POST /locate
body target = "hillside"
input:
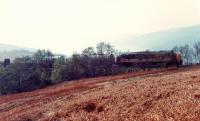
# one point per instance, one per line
(7, 47)
(167, 94)
(163, 40)
(12, 51)
(14, 54)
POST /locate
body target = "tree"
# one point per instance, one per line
(42, 54)
(8, 84)
(109, 49)
(39, 55)
(101, 48)
(104, 48)
(28, 75)
(88, 51)
(49, 54)
(40, 70)
(58, 70)
(197, 51)
(78, 66)
(45, 77)
(176, 49)
(186, 53)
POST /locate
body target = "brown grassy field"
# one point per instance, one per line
(159, 95)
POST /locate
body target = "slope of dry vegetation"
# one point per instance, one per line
(163, 95)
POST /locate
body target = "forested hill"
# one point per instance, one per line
(14, 54)
(11, 51)
(163, 40)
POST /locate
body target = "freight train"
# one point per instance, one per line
(150, 59)
(132, 59)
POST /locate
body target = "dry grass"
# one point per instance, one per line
(164, 95)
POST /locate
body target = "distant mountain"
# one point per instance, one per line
(164, 40)
(12, 51)
(7, 47)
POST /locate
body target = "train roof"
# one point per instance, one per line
(147, 52)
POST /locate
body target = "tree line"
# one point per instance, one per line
(43, 68)
(189, 53)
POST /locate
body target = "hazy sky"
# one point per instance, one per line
(71, 25)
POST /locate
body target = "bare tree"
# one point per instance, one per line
(197, 51)
(49, 54)
(176, 49)
(105, 48)
(58, 70)
(186, 52)
(88, 51)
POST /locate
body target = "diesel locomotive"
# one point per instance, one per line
(150, 59)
